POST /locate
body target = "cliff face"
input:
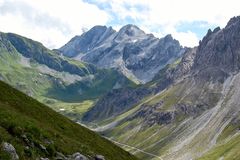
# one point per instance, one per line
(136, 54)
(87, 41)
(220, 48)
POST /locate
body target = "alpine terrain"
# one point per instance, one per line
(69, 86)
(136, 54)
(31, 130)
(150, 96)
(190, 110)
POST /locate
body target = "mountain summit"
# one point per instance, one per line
(136, 54)
(87, 41)
(219, 49)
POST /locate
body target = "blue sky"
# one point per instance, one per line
(55, 22)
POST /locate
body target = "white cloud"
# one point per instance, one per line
(52, 22)
(175, 11)
(186, 38)
(167, 14)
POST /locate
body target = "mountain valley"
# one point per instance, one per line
(150, 96)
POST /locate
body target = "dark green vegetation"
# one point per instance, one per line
(103, 82)
(25, 118)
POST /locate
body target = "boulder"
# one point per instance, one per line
(78, 156)
(99, 157)
(7, 147)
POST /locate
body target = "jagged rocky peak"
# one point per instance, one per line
(98, 32)
(168, 37)
(233, 21)
(88, 40)
(220, 48)
(137, 54)
(98, 28)
(168, 40)
(186, 63)
(131, 30)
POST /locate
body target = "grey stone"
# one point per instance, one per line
(78, 156)
(219, 50)
(42, 147)
(99, 157)
(9, 148)
(135, 53)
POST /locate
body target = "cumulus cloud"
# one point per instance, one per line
(175, 11)
(51, 22)
(164, 17)
(54, 22)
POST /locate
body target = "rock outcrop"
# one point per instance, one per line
(115, 103)
(78, 156)
(9, 148)
(197, 115)
(137, 54)
(87, 41)
(99, 157)
(220, 48)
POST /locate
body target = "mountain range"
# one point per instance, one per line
(31, 130)
(139, 56)
(54, 80)
(150, 96)
(189, 110)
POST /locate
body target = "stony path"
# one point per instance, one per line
(139, 150)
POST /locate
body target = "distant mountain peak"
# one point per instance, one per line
(233, 20)
(219, 49)
(136, 54)
(131, 30)
(98, 28)
(169, 37)
(86, 41)
(130, 26)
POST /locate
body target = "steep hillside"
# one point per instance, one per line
(136, 54)
(37, 131)
(196, 115)
(43, 74)
(121, 100)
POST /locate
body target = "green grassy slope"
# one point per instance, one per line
(22, 116)
(173, 140)
(229, 150)
(36, 51)
(52, 79)
(102, 82)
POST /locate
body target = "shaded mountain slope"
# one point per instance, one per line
(197, 114)
(118, 101)
(36, 51)
(37, 131)
(136, 54)
(52, 79)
